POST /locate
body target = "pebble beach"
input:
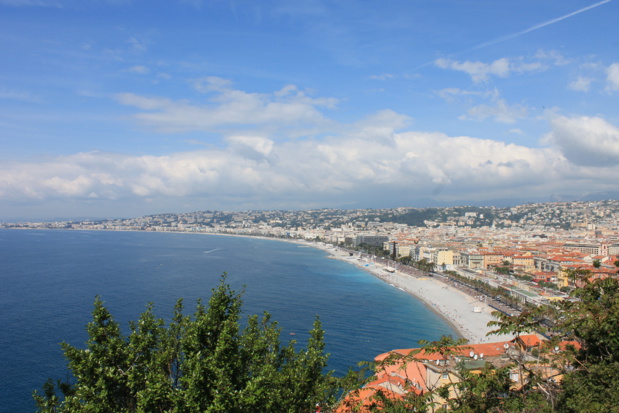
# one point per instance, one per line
(467, 314)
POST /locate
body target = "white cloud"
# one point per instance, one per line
(586, 141)
(499, 110)
(520, 66)
(479, 71)
(555, 56)
(380, 127)
(612, 78)
(256, 148)
(227, 107)
(595, 73)
(369, 160)
(374, 158)
(582, 84)
(212, 84)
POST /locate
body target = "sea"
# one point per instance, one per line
(49, 280)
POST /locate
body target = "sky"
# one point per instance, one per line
(123, 108)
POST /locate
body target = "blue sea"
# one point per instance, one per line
(49, 279)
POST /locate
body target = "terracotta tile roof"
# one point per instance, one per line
(489, 349)
(362, 400)
(395, 378)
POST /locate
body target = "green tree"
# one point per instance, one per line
(589, 365)
(592, 382)
(502, 270)
(203, 363)
(406, 260)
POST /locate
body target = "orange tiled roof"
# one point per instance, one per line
(489, 349)
(363, 400)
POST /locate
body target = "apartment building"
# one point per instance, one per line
(587, 248)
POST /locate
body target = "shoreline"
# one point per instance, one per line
(451, 304)
(454, 306)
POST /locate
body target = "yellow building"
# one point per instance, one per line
(492, 259)
(443, 257)
(524, 261)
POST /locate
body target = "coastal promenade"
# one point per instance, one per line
(469, 315)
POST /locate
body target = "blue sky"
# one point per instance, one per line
(115, 108)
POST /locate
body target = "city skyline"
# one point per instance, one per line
(127, 108)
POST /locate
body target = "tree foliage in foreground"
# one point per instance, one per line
(207, 363)
(204, 363)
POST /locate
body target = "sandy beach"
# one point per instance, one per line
(452, 304)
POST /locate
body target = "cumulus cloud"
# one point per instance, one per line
(228, 107)
(256, 148)
(379, 127)
(377, 157)
(582, 84)
(596, 73)
(481, 72)
(371, 158)
(612, 77)
(586, 141)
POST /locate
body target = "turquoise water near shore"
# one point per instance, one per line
(49, 279)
